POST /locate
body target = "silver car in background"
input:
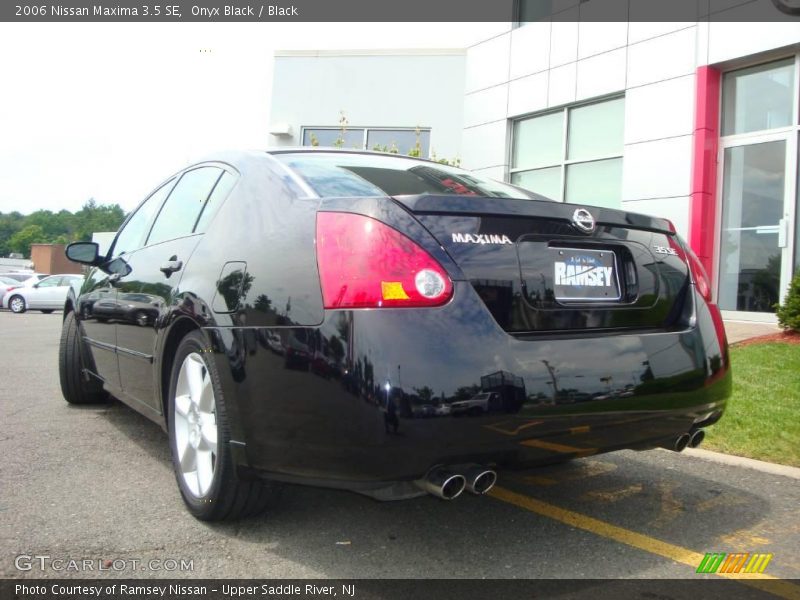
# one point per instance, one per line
(46, 295)
(16, 279)
(6, 284)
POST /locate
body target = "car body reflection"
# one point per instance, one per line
(135, 308)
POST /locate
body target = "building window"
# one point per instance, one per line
(759, 98)
(327, 136)
(572, 155)
(526, 11)
(398, 140)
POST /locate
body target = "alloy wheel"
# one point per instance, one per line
(195, 425)
(17, 304)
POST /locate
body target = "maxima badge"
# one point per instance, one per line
(480, 238)
(583, 220)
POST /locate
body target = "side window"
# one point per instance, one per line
(50, 282)
(181, 210)
(131, 236)
(217, 197)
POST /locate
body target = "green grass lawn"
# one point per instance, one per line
(763, 416)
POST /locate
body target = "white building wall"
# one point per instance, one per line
(545, 65)
(391, 88)
(103, 239)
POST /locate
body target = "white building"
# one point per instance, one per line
(697, 122)
(386, 97)
(103, 239)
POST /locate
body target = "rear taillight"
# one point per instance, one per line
(703, 286)
(364, 263)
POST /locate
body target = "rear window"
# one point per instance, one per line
(334, 175)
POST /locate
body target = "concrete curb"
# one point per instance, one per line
(747, 463)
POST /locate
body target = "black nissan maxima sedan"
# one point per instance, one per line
(391, 326)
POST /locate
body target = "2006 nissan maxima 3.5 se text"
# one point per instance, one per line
(388, 325)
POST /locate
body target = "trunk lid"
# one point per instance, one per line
(538, 269)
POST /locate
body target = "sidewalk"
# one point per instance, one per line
(738, 331)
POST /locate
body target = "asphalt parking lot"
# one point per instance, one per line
(97, 483)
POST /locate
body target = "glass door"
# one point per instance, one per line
(755, 215)
(759, 162)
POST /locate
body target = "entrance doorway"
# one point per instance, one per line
(759, 157)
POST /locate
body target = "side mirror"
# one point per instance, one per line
(118, 268)
(87, 253)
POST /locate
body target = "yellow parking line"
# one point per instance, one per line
(614, 495)
(563, 448)
(589, 468)
(535, 479)
(516, 429)
(766, 583)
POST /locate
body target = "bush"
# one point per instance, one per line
(789, 311)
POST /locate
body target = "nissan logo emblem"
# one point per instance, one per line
(583, 220)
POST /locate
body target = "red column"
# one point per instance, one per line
(704, 166)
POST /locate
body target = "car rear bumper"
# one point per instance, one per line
(360, 424)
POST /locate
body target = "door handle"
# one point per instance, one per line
(783, 232)
(171, 266)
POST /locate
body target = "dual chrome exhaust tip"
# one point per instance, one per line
(696, 438)
(449, 484)
(480, 480)
(691, 439)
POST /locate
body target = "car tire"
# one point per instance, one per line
(47, 311)
(17, 304)
(76, 386)
(199, 437)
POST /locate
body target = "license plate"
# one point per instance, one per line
(585, 275)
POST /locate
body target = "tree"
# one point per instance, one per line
(10, 224)
(789, 311)
(340, 140)
(337, 348)
(22, 240)
(262, 303)
(416, 151)
(94, 217)
(56, 228)
(54, 225)
(425, 394)
(466, 392)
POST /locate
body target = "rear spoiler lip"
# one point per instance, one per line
(445, 204)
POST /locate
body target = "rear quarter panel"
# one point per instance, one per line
(269, 226)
